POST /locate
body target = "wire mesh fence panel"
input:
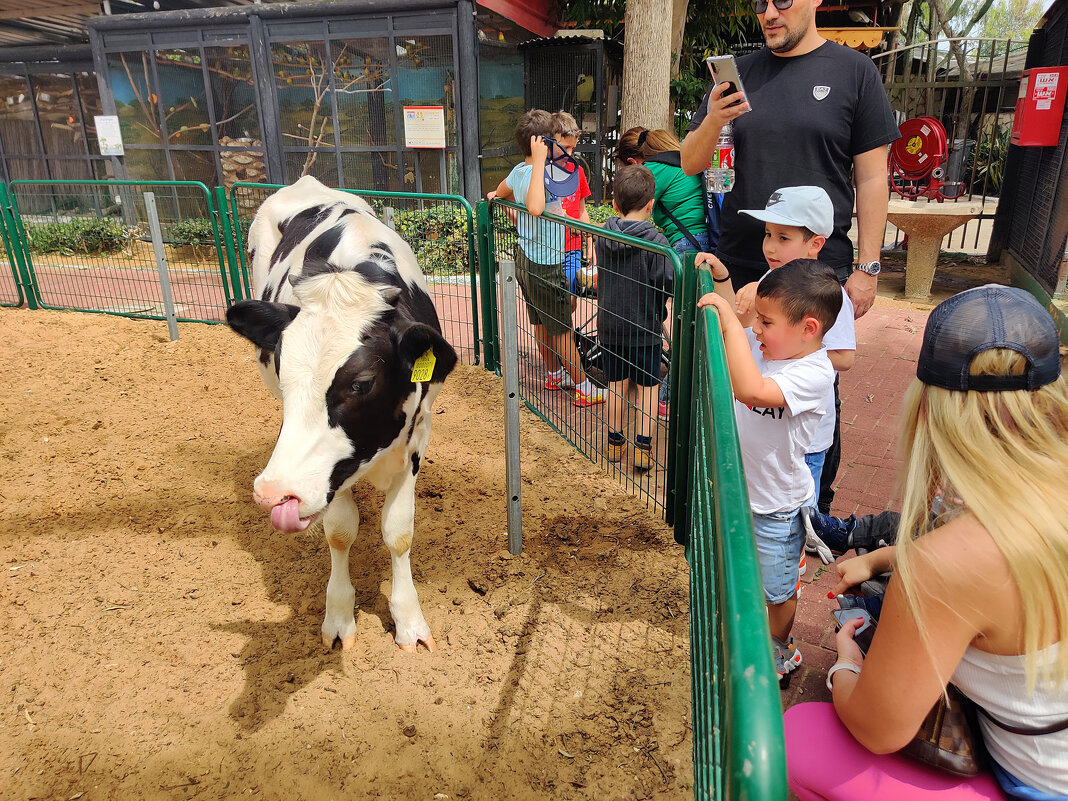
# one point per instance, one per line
(737, 712)
(10, 285)
(594, 355)
(440, 229)
(89, 248)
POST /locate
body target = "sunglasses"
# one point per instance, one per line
(760, 6)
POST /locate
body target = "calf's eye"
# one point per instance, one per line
(363, 387)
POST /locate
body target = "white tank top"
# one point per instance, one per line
(999, 684)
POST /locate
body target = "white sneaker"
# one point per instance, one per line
(813, 543)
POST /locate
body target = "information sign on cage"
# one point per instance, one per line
(424, 127)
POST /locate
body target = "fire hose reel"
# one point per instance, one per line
(917, 162)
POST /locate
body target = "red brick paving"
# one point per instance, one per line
(888, 340)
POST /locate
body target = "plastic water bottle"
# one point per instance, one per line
(719, 177)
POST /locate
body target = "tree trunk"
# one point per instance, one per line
(678, 32)
(962, 120)
(647, 64)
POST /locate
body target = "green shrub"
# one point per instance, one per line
(80, 235)
(599, 212)
(438, 235)
(193, 231)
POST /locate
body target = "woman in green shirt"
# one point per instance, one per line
(679, 207)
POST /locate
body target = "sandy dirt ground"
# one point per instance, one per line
(159, 640)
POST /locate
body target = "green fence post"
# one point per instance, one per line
(20, 245)
(226, 225)
(681, 401)
(472, 275)
(488, 285)
(738, 753)
(10, 243)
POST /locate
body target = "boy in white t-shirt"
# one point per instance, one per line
(797, 221)
(781, 377)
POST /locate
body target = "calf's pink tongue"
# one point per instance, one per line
(286, 517)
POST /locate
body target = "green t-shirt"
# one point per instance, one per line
(684, 197)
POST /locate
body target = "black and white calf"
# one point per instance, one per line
(342, 318)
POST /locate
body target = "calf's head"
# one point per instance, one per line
(344, 359)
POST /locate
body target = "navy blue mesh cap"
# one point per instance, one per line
(561, 170)
(983, 318)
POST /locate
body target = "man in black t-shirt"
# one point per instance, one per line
(819, 116)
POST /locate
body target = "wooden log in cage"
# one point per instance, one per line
(242, 165)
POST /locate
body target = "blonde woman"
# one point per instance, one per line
(981, 600)
(679, 204)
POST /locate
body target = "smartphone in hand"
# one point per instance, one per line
(864, 633)
(724, 69)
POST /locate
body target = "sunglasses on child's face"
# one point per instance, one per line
(760, 6)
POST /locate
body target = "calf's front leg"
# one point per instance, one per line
(398, 522)
(341, 523)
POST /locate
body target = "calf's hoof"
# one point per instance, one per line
(345, 632)
(410, 647)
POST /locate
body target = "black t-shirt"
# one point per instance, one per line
(811, 115)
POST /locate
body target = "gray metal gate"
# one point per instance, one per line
(970, 86)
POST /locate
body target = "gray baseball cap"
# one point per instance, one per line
(804, 206)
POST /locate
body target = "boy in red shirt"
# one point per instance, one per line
(566, 133)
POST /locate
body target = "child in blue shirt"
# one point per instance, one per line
(539, 260)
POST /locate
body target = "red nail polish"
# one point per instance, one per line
(830, 594)
(860, 620)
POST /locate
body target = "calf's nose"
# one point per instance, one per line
(267, 497)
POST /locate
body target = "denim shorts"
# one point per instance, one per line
(779, 540)
(684, 245)
(572, 264)
(815, 462)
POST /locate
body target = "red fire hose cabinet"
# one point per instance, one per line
(1040, 106)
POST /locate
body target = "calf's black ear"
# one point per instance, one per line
(414, 340)
(261, 322)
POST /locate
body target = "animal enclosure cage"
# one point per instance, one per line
(264, 93)
(583, 77)
(48, 103)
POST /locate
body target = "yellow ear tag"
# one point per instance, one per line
(423, 368)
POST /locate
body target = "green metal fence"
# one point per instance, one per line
(738, 749)
(580, 351)
(11, 278)
(696, 478)
(440, 230)
(697, 481)
(86, 246)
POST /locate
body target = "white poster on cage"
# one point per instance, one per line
(424, 126)
(109, 136)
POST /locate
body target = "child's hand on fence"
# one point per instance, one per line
(722, 306)
(719, 269)
(707, 258)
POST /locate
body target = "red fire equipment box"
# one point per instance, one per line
(1040, 106)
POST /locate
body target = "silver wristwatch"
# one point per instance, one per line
(869, 267)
